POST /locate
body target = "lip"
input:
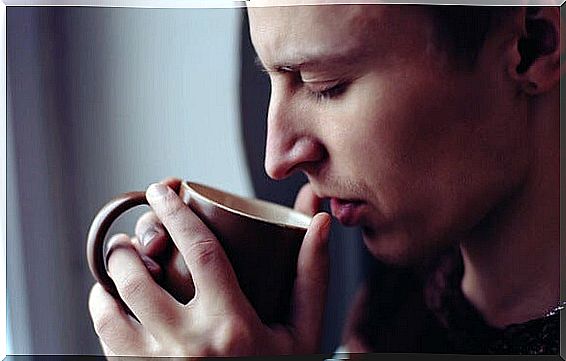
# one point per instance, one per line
(349, 212)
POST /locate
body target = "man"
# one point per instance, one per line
(429, 136)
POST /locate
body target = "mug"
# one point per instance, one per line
(261, 239)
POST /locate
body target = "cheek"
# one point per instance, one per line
(449, 153)
(427, 147)
(413, 140)
(391, 136)
(371, 137)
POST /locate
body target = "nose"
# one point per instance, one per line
(291, 144)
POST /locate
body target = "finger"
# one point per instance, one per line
(212, 273)
(152, 266)
(311, 282)
(154, 240)
(117, 330)
(307, 202)
(171, 273)
(172, 182)
(152, 305)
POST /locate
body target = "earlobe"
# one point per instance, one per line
(535, 63)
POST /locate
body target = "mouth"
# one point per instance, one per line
(349, 212)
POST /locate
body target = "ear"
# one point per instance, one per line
(535, 63)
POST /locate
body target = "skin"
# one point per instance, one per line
(371, 110)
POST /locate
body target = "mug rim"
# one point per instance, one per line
(194, 192)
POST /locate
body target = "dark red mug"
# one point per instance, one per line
(261, 239)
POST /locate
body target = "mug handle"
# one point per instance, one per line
(97, 234)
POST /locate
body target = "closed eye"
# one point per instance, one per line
(331, 92)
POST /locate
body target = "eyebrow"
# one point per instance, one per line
(275, 68)
(312, 61)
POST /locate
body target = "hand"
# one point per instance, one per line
(218, 320)
(161, 257)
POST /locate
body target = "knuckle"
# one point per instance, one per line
(133, 286)
(188, 349)
(172, 208)
(105, 325)
(235, 337)
(203, 252)
(171, 319)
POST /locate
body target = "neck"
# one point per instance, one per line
(512, 260)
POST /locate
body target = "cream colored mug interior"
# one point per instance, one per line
(249, 207)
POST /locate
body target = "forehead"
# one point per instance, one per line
(292, 23)
(297, 33)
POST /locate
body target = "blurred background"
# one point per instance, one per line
(107, 100)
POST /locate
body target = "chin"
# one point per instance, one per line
(399, 251)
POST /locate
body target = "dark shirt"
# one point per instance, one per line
(408, 311)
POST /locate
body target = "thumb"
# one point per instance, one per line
(307, 202)
(311, 283)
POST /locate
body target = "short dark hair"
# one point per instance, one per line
(461, 30)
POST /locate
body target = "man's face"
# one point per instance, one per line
(404, 143)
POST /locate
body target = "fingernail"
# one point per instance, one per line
(157, 190)
(323, 227)
(113, 240)
(327, 224)
(148, 236)
(152, 266)
(113, 244)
